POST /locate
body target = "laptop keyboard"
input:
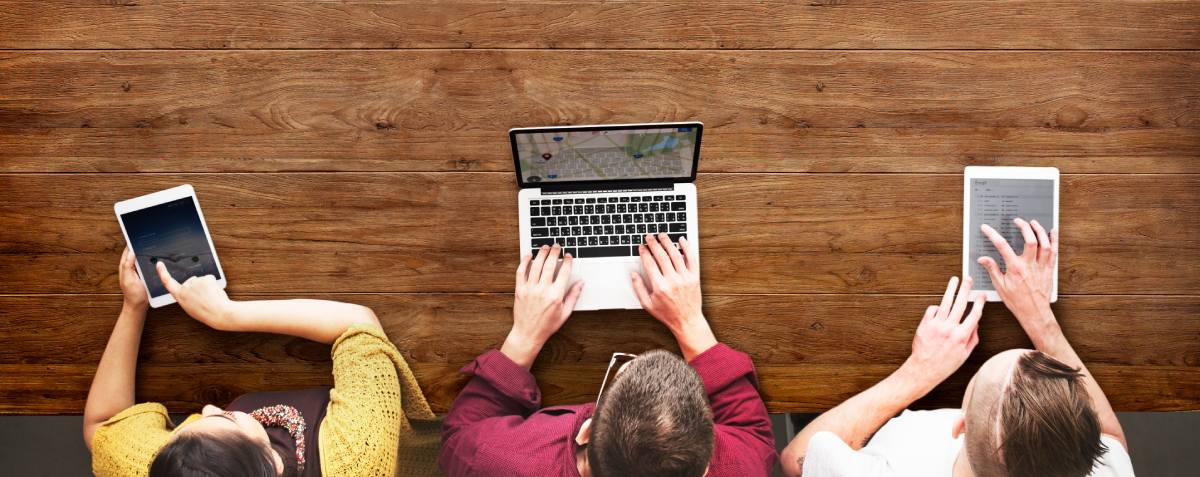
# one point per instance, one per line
(605, 226)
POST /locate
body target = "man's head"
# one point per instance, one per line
(1026, 413)
(653, 419)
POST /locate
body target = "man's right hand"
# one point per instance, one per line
(1028, 279)
(544, 300)
(944, 339)
(673, 295)
(201, 297)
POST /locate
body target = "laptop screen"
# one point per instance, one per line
(606, 153)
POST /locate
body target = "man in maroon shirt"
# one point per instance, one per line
(655, 416)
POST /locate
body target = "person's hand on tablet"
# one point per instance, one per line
(671, 292)
(944, 339)
(544, 300)
(132, 288)
(201, 297)
(1028, 279)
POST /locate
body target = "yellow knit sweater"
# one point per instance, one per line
(373, 398)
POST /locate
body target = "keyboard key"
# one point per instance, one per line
(603, 240)
(539, 232)
(611, 251)
(678, 206)
(604, 219)
(557, 201)
(682, 217)
(589, 209)
(591, 200)
(624, 240)
(670, 216)
(660, 217)
(608, 229)
(587, 230)
(592, 241)
(538, 242)
(654, 207)
(565, 210)
(546, 211)
(652, 228)
(578, 210)
(570, 241)
(571, 250)
(630, 229)
(624, 199)
(533, 211)
(595, 219)
(627, 218)
(675, 237)
(585, 220)
(637, 218)
(658, 197)
(635, 199)
(641, 229)
(616, 219)
(679, 227)
(538, 221)
(662, 227)
(621, 208)
(576, 231)
(644, 207)
(573, 220)
(602, 200)
(646, 198)
(556, 210)
(610, 209)
(554, 231)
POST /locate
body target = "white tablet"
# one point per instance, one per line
(995, 196)
(167, 226)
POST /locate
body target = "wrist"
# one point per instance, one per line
(134, 308)
(521, 349)
(694, 337)
(914, 380)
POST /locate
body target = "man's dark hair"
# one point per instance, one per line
(228, 454)
(652, 420)
(1047, 426)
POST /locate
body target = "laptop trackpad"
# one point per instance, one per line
(606, 283)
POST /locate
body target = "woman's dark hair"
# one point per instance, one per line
(228, 454)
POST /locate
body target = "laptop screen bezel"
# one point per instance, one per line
(512, 139)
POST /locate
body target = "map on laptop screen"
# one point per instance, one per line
(606, 154)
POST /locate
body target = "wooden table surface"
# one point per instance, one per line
(357, 151)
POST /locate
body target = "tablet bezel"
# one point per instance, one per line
(1003, 172)
(157, 198)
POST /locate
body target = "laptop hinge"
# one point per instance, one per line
(615, 186)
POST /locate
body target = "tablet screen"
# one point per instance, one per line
(997, 202)
(171, 233)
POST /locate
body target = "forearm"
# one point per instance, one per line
(859, 417)
(318, 320)
(113, 386)
(1048, 338)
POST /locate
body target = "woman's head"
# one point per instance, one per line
(219, 444)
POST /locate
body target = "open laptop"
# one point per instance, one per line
(598, 190)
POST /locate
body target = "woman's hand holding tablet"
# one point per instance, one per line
(167, 228)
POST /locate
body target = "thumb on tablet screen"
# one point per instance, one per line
(167, 280)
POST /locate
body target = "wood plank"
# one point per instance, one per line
(451, 329)
(779, 233)
(851, 24)
(62, 389)
(864, 150)
(489, 91)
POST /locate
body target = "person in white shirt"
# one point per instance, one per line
(1025, 412)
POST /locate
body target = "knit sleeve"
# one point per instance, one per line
(374, 393)
(124, 445)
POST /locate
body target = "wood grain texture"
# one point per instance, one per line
(955, 24)
(803, 346)
(777, 233)
(860, 150)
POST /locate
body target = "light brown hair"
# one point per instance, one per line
(1046, 425)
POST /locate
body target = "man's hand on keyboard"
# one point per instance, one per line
(544, 300)
(671, 292)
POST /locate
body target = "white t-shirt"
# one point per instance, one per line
(919, 443)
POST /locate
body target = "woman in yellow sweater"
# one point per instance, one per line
(353, 429)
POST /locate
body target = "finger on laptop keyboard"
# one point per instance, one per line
(549, 265)
(676, 258)
(535, 268)
(660, 255)
(653, 274)
(563, 279)
(689, 255)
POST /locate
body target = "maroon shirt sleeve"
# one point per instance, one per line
(500, 395)
(744, 444)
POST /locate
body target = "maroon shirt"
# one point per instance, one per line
(496, 427)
